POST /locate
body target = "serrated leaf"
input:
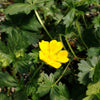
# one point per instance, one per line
(87, 69)
(30, 89)
(92, 90)
(7, 80)
(91, 97)
(93, 51)
(31, 24)
(96, 21)
(23, 64)
(28, 34)
(32, 37)
(94, 61)
(45, 84)
(16, 42)
(35, 56)
(19, 8)
(68, 19)
(59, 92)
(69, 3)
(83, 77)
(6, 28)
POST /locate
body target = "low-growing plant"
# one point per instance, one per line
(50, 50)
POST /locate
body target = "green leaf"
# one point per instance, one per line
(6, 28)
(92, 90)
(96, 21)
(31, 24)
(93, 51)
(31, 37)
(7, 80)
(5, 59)
(92, 97)
(45, 83)
(23, 64)
(59, 92)
(25, 38)
(69, 3)
(30, 89)
(16, 42)
(19, 53)
(20, 8)
(35, 56)
(4, 97)
(68, 19)
(97, 72)
(38, 1)
(87, 69)
(3, 47)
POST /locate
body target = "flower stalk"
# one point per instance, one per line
(61, 75)
(43, 24)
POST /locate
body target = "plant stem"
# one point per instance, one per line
(62, 41)
(77, 25)
(84, 21)
(14, 74)
(80, 2)
(38, 69)
(8, 91)
(42, 24)
(71, 48)
(61, 75)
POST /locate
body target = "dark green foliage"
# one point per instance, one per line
(97, 73)
(76, 23)
(59, 92)
(68, 19)
(20, 95)
(4, 97)
(7, 80)
(45, 84)
(93, 51)
(87, 69)
(20, 8)
(96, 21)
(93, 91)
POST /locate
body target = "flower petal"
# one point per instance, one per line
(55, 46)
(44, 46)
(42, 56)
(49, 61)
(62, 56)
(54, 64)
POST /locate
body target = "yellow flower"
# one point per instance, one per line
(52, 53)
